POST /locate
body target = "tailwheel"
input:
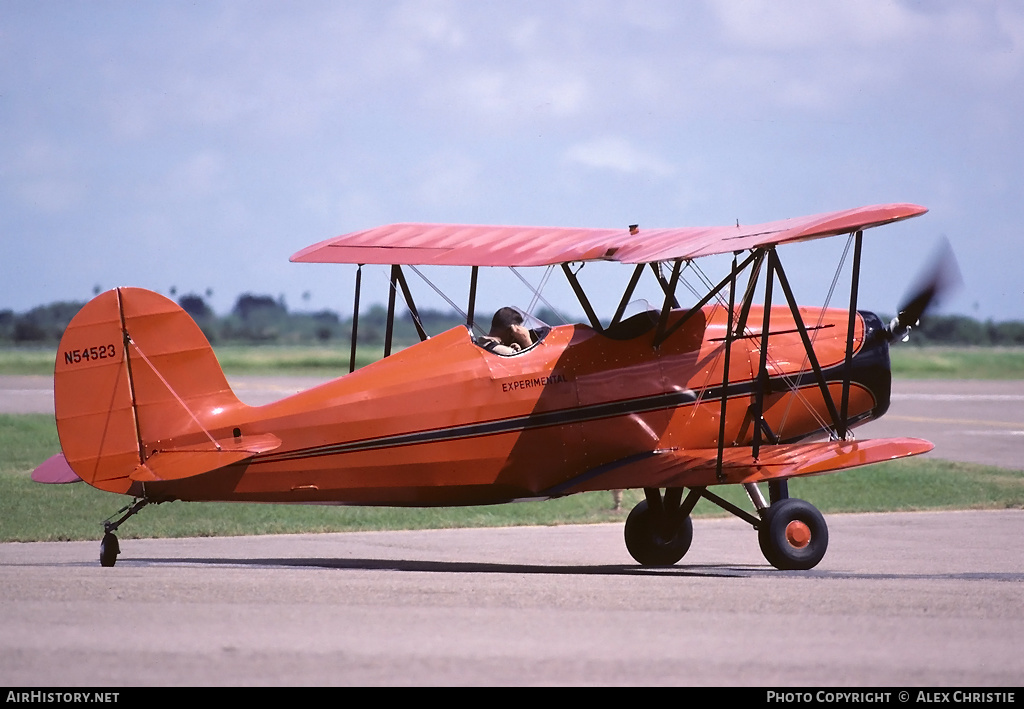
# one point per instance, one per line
(654, 542)
(109, 549)
(793, 535)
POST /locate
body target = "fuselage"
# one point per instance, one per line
(446, 422)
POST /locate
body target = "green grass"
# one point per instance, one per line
(275, 359)
(33, 512)
(957, 362)
(27, 360)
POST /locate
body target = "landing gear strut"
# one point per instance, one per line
(792, 533)
(109, 548)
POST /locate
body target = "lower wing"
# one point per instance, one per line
(699, 467)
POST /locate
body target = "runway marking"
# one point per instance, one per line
(958, 397)
(956, 422)
(993, 433)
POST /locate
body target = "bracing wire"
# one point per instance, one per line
(538, 295)
(437, 290)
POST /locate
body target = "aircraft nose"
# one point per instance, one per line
(871, 365)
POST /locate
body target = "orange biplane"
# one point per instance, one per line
(670, 400)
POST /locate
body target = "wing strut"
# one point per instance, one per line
(407, 294)
(389, 333)
(748, 295)
(584, 301)
(355, 320)
(398, 281)
(472, 297)
(634, 279)
(854, 288)
(763, 381)
(655, 267)
(725, 377)
(670, 300)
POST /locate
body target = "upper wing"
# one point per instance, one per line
(469, 245)
(697, 467)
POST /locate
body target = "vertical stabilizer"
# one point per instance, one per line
(134, 374)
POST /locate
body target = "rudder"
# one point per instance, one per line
(135, 376)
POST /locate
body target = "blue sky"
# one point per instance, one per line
(196, 146)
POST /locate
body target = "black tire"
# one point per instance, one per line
(651, 546)
(793, 535)
(109, 549)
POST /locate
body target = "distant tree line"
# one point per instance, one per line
(962, 330)
(262, 319)
(254, 319)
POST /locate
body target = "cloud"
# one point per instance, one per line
(446, 181)
(825, 56)
(763, 25)
(619, 155)
(45, 176)
(198, 176)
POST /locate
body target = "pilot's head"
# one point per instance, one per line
(507, 326)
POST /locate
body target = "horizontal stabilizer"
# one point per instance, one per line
(698, 467)
(178, 463)
(55, 471)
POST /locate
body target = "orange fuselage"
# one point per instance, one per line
(445, 422)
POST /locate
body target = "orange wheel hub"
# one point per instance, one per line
(798, 534)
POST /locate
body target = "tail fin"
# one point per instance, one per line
(139, 394)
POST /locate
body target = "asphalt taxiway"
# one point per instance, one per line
(900, 600)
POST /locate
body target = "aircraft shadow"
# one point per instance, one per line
(464, 567)
(474, 567)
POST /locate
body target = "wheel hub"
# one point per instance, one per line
(798, 534)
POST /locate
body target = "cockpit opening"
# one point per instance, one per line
(511, 333)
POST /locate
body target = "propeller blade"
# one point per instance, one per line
(940, 278)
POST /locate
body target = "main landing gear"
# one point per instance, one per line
(792, 533)
(109, 548)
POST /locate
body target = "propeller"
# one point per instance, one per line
(941, 277)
